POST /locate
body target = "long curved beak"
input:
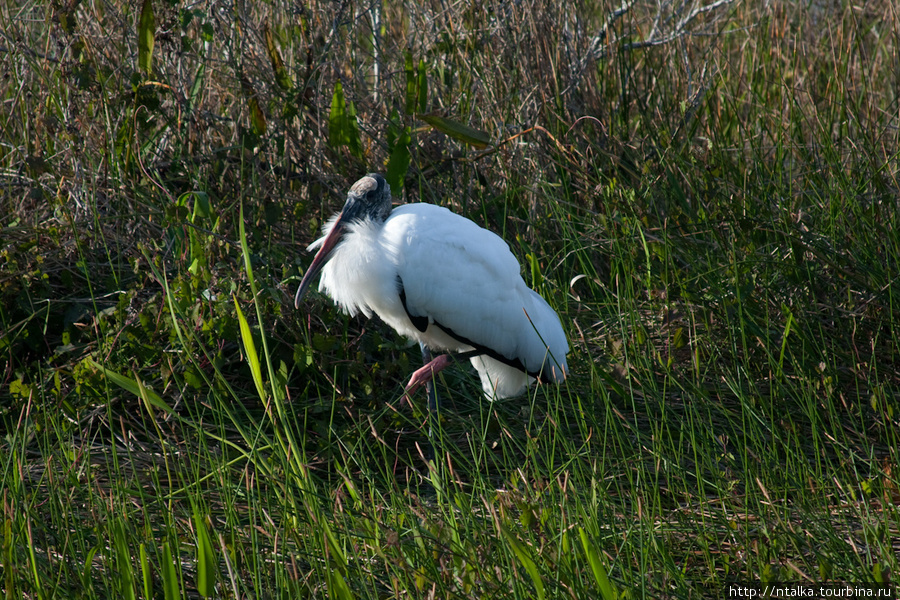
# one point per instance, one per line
(351, 211)
(322, 256)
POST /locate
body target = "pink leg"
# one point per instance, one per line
(427, 373)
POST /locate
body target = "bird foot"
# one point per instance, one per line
(427, 373)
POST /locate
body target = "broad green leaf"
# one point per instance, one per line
(607, 590)
(146, 36)
(169, 574)
(393, 131)
(207, 565)
(353, 141)
(198, 254)
(458, 131)
(521, 552)
(146, 572)
(337, 585)
(337, 116)
(398, 163)
(20, 389)
(343, 130)
(679, 339)
(202, 208)
(423, 87)
(878, 573)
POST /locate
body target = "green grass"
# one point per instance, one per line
(715, 219)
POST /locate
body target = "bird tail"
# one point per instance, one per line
(499, 380)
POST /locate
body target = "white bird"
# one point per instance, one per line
(443, 281)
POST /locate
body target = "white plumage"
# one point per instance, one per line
(439, 279)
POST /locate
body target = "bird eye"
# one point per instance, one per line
(370, 195)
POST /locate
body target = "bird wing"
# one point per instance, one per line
(464, 279)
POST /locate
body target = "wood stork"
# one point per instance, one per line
(443, 281)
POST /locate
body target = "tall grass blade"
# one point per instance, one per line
(134, 386)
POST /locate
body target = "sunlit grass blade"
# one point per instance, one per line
(169, 574)
(607, 591)
(135, 386)
(784, 340)
(33, 564)
(250, 351)
(337, 586)
(146, 572)
(524, 557)
(207, 564)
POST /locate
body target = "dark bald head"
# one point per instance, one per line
(373, 195)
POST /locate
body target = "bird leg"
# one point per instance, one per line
(425, 375)
(432, 367)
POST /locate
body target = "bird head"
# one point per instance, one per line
(368, 198)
